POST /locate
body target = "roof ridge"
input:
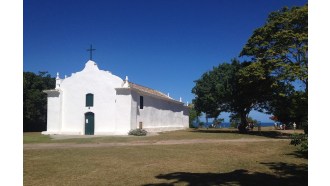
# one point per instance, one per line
(148, 88)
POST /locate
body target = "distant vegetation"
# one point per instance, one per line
(35, 101)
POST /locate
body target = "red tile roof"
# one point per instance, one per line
(150, 91)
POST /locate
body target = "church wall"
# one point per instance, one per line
(123, 111)
(54, 112)
(99, 83)
(134, 110)
(159, 114)
(116, 106)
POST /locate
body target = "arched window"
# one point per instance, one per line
(89, 100)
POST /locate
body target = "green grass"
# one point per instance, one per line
(267, 132)
(244, 163)
(35, 137)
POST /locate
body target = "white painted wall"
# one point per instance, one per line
(116, 106)
(159, 114)
(53, 112)
(102, 85)
(123, 111)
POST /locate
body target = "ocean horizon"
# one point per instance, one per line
(227, 124)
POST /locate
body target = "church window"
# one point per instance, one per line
(89, 100)
(141, 102)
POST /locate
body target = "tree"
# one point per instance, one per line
(290, 107)
(221, 90)
(35, 101)
(279, 51)
(193, 116)
(206, 101)
(279, 56)
(234, 120)
(280, 47)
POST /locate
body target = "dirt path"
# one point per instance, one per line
(140, 143)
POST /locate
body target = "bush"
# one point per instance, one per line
(137, 132)
(302, 140)
(305, 127)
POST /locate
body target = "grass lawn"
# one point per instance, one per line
(272, 162)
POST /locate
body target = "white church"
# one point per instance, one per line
(96, 102)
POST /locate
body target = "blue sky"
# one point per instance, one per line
(161, 44)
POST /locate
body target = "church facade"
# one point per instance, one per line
(96, 102)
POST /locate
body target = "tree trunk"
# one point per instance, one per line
(207, 122)
(243, 125)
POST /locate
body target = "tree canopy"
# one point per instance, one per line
(280, 47)
(277, 55)
(35, 101)
(221, 90)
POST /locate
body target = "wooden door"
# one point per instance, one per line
(89, 123)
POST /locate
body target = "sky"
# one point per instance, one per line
(162, 44)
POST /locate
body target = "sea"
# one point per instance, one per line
(227, 124)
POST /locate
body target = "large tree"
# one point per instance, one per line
(34, 100)
(280, 47)
(221, 90)
(279, 50)
(206, 101)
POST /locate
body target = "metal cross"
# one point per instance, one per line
(90, 52)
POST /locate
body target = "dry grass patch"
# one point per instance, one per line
(244, 163)
(268, 132)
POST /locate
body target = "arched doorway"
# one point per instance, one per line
(89, 123)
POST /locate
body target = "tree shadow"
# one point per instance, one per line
(283, 174)
(299, 154)
(268, 134)
(271, 134)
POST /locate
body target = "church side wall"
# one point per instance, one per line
(160, 115)
(53, 113)
(134, 110)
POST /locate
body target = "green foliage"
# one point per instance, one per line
(34, 100)
(302, 140)
(279, 56)
(251, 120)
(222, 90)
(305, 127)
(279, 51)
(290, 106)
(234, 120)
(193, 116)
(138, 132)
(206, 100)
(280, 47)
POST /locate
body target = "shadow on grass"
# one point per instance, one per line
(299, 154)
(283, 174)
(269, 134)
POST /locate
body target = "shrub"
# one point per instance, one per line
(137, 132)
(305, 127)
(302, 140)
